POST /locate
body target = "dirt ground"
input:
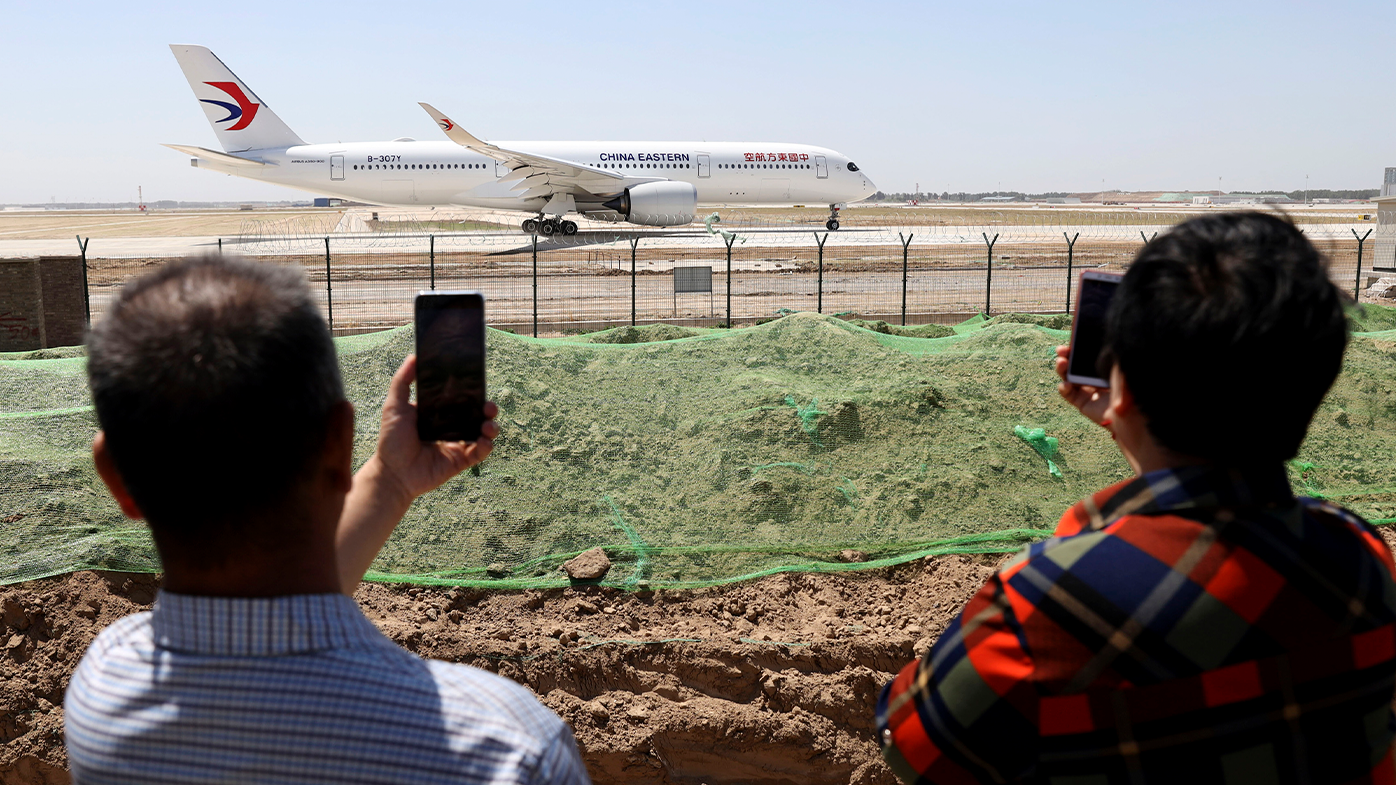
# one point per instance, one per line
(768, 681)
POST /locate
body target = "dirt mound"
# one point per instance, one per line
(1372, 318)
(649, 333)
(47, 625)
(767, 681)
(1052, 321)
(55, 353)
(909, 331)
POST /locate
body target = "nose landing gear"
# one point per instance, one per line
(833, 223)
(549, 227)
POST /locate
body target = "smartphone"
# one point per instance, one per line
(1093, 298)
(450, 365)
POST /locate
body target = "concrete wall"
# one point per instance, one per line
(1386, 210)
(42, 303)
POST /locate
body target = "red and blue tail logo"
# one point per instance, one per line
(243, 111)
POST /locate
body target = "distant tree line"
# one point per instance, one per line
(1324, 193)
(161, 204)
(965, 196)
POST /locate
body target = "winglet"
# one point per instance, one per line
(454, 132)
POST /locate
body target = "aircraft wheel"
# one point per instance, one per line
(832, 225)
(548, 228)
(530, 225)
(569, 228)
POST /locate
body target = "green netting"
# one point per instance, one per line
(1045, 445)
(711, 456)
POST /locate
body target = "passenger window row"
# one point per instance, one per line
(609, 165)
(418, 166)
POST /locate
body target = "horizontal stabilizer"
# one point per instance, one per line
(214, 155)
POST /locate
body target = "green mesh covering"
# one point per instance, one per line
(1045, 445)
(711, 456)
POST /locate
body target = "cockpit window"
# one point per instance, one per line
(852, 167)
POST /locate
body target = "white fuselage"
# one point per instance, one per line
(411, 173)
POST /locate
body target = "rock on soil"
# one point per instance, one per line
(769, 681)
(589, 565)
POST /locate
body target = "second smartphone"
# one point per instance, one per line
(450, 365)
(1093, 298)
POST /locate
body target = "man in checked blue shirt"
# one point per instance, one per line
(224, 425)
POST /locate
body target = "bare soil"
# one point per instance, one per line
(768, 681)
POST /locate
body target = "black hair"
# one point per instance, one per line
(1229, 334)
(214, 380)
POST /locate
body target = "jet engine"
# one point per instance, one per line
(657, 204)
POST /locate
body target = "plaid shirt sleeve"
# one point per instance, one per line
(973, 690)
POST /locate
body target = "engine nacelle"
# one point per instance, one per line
(657, 204)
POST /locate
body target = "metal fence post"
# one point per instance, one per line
(819, 307)
(432, 259)
(220, 246)
(989, 272)
(731, 238)
(535, 285)
(329, 290)
(1070, 254)
(86, 297)
(1357, 284)
(634, 244)
(1145, 237)
(906, 243)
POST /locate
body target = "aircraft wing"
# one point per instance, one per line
(538, 175)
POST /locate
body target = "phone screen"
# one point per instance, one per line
(1088, 330)
(450, 365)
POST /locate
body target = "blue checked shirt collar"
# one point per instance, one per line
(259, 626)
(1196, 488)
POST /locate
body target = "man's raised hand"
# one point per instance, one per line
(417, 466)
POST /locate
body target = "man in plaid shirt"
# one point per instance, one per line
(1197, 623)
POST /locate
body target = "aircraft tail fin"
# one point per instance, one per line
(241, 120)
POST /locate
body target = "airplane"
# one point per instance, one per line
(643, 183)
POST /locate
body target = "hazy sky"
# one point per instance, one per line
(968, 96)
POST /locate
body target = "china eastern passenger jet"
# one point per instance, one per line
(649, 183)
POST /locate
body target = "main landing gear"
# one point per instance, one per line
(549, 227)
(833, 223)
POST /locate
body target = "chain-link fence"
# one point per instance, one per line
(901, 266)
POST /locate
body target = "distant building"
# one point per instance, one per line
(1386, 209)
(1249, 199)
(1388, 183)
(999, 199)
(1063, 200)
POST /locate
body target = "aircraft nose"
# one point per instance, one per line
(868, 187)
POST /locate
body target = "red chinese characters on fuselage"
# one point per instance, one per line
(776, 157)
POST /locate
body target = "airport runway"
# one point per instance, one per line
(598, 236)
